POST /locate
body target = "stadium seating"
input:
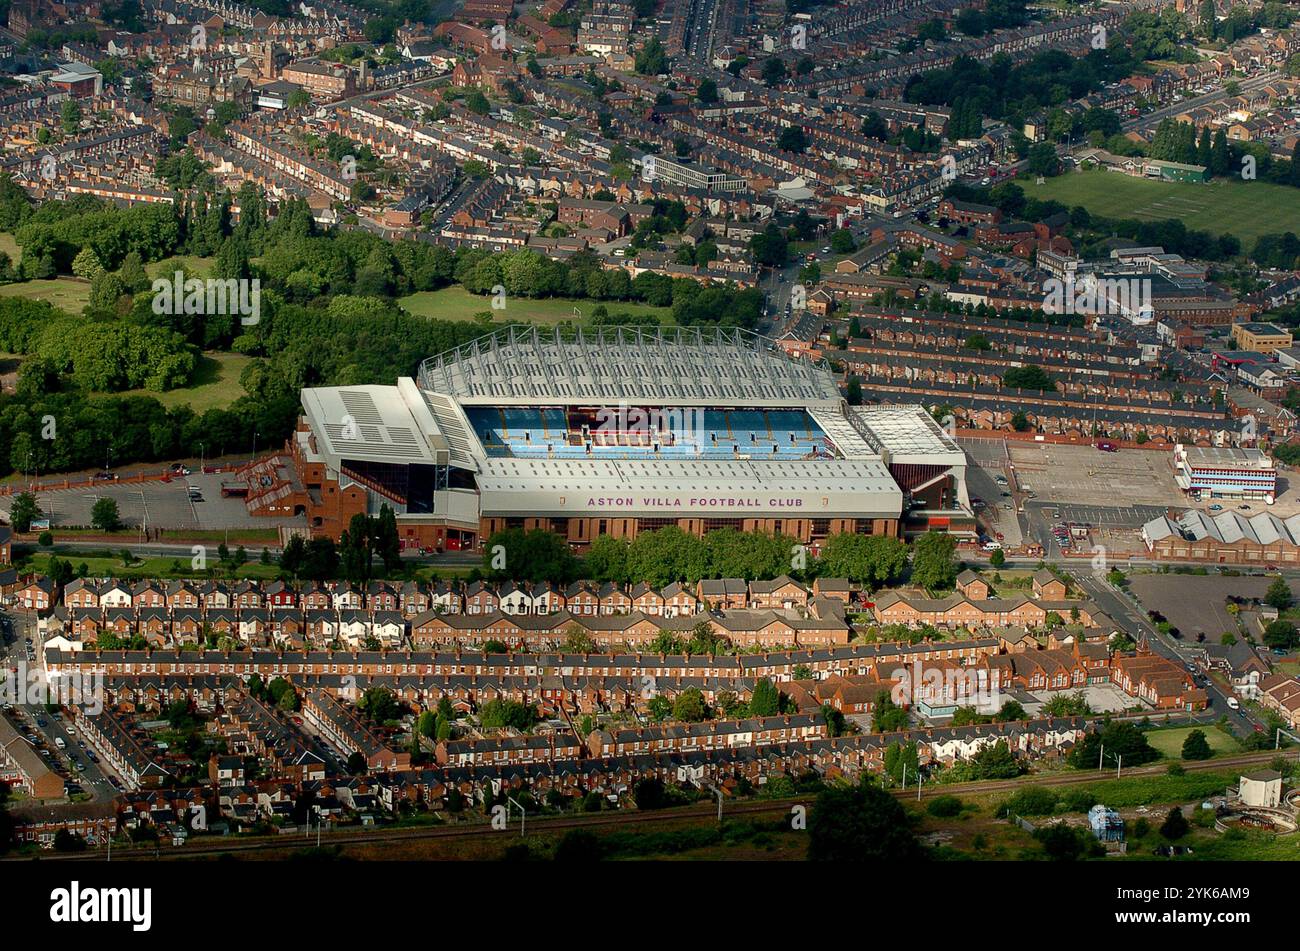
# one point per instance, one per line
(534, 433)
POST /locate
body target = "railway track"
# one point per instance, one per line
(771, 808)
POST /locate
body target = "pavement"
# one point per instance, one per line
(167, 505)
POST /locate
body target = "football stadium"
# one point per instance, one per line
(613, 430)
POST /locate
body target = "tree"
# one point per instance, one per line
(578, 845)
(871, 560)
(842, 241)
(1028, 377)
(1278, 594)
(536, 555)
(766, 699)
(861, 823)
(70, 114)
(357, 763)
(387, 543)
(1196, 746)
(1119, 740)
(1043, 159)
(792, 139)
(23, 512)
(853, 390)
(997, 559)
(1281, 634)
(607, 560)
(65, 841)
(944, 807)
(104, 515)
(578, 641)
(86, 264)
(773, 70)
(651, 60)
(995, 762)
(379, 704)
(770, 247)
(1011, 711)
(933, 565)
(1175, 825)
(689, 706)
(707, 92)
(1061, 842)
(887, 716)
(650, 794)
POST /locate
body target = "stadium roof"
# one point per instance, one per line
(906, 433)
(807, 489)
(649, 367)
(375, 423)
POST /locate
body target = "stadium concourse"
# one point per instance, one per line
(613, 430)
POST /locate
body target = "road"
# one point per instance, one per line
(1133, 619)
(1152, 119)
(29, 718)
(446, 559)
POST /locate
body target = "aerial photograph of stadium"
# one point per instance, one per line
(746, 431)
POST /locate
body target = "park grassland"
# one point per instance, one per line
(1169, 741)
(214, 385)
(1224, 206)
(70, 294)
(456, 303)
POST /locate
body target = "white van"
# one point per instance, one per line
(992, 546)
(58, 741)
(1234, 703)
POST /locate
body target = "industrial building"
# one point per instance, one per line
(1225, 472)
(1228, 538)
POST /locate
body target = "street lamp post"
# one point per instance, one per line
(523, 815)
(717, 792)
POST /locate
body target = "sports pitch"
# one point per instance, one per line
(1245, 209)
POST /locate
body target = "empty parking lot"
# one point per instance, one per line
(1084, 475)
(154, 505)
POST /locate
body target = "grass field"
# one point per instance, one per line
(192, 265)
(10, 247)
(1170, 742)
(162, 567)
(67, 293)
(215, 385)
(456, 303)
(1245, 209)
